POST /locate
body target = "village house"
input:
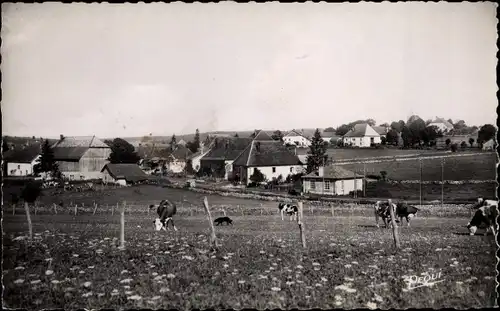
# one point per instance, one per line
(196, 157)
(442, 125)
(177, 159)
(81, 157)
(331, 138)
(271, 158)
(20, 161)
(490, 145)
(123, 174)
(332, 180)
(295, 138)
(361, 135)
(381, 130)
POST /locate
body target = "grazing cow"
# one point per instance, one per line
(291, 210)
(166, 210)
(482, 202)
(221, 220)
(484, 216)
(406, 211)
(382, 210)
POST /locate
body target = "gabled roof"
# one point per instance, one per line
(333, 172)
(295, 133)
(442, 121)
(180, 153)
(81, 141)
(129, 172)
(266, 153)
(227, 148)
(329, 135)
(263, 136)
(69, 153)
(24, 155)
(362, 130)
(381, 130)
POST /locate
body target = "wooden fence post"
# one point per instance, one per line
(213, 238)
(261, 209)
(394, 226)
(122, 226)
(95, 208)
(76, 208)
(55, 208)
(30, 227)
(241, 209)
(333, 213)
(301, 224)
(13, 209)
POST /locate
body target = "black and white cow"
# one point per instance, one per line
(406, 211)
(289, 209)
(482, 202)
(485, 216)
(165, 210)
(381, 209)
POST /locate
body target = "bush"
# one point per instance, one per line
(454, 148)
(31, 191)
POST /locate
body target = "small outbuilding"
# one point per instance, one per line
(123, 174)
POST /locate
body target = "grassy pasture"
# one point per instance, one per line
(338, 154)
(349, 262)
(481, 166)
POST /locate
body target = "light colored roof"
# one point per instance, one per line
(295, 133)
(442, 121)
(362, 130)
(266, 153)
(81, 141)
(382, 130)
(333, 172)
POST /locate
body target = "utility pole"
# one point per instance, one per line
(442, 181)
(420, 162)
(364, 179)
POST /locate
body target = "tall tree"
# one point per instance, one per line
(317, 153)
(236, 135)
(429, 134)
(486, 133)
(277, 135)
(46, 162)
(122, 152)
(329, 129)
(196, 140)
(392, 137)
(173, 142)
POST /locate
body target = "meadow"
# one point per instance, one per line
(74, 260)
(480, 166)
(340, 154)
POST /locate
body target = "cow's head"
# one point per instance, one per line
(158, 224)
(476, 221)
(151, 206)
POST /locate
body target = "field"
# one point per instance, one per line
(481, 166)
(74, 261)
(339, 154)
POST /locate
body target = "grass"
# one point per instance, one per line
(338, 154)
(478, 167)
(349, 262)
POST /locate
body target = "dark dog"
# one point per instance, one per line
(221, 220)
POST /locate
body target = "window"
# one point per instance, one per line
(327, 185)
(274, 170)
(291, 169)
(19, 167)
(313, 185)
(342, 186)
(71, 177)
(254, 170)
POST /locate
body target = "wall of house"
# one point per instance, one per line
(361, 141)
(218, 166)
(333, 187)
(440, 126)
(107, 178)
(176, 166)
(268, 172)
(19, 169)
(89, 166)
(297, 140)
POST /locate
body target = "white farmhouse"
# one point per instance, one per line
(443, 125)
(332, 180)
(271, 158)
(20, 162)
(295, 138)
(361, 135)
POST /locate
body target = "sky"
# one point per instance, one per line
(122, 70)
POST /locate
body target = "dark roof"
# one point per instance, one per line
(69, 153)
(382, 130)
(266, 153)
(24, 155)
(362, 130)
(129, 172)
(227, 148)
(180, 153)
(333, 172)
(81, 141)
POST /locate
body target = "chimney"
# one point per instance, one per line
(321, 171)
(61, 137)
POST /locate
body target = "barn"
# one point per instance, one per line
(123, 173)
(81, 157)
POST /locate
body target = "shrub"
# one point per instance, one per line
(454, 147)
